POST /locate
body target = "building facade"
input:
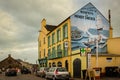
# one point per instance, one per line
(10, 62)
(68, 44)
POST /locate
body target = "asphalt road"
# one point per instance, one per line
(20, 77)
(33, 77)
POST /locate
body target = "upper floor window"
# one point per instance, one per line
(48, 41)
(59, 48)
(53, 38)
(44, 52)
(65, 31)
(49, 52)
(58, 35)
(53, 50)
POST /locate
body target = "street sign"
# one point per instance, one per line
(82, 51)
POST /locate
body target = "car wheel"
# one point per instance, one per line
(54, 78)
(67, 79)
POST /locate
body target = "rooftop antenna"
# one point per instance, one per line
(109, 16)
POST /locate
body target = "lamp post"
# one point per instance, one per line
(96, 53)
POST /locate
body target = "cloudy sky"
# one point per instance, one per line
(20, 21)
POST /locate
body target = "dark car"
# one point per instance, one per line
(11, 72)
(25, 71)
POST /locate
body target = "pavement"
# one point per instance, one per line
(102, 78)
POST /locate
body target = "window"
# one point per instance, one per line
(65, 50)
(59, 64)
(48, 41)
(53, 65)
(49, 64)
(65, 31)
(40, 54)
(53, 38)
(49, 54)
(53, 52)
(59, 48)
(44, 52)
(58, 35)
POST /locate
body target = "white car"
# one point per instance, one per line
(42, 71)
(57, 73)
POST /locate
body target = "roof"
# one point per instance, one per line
(9, 58)
(50, 27)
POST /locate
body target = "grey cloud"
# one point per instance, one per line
(20, 20)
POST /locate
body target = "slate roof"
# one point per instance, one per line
(50, 27)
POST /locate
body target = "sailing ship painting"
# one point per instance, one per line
(85, 31)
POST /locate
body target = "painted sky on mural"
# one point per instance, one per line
(87, 26)
(20, 22)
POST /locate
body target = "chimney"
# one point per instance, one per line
(43, 22)
(110, 29)
(9, 55)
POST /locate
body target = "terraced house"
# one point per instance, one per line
(75, 42)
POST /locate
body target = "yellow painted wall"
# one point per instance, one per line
(42, 34)
(83, 63)
(103, 62)
(62, 41)
(113, 45)
(63, 59)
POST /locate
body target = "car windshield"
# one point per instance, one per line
(61, 69)
(46, 69)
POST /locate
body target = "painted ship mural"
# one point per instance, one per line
(88, 26)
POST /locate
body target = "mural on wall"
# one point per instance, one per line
(89, 26)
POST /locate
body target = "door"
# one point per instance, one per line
(77, 68)
(66, 64)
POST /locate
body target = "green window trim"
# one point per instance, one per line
(59, 51)
(65, 50)
(65, 31)
(58, 35)
(44, 52)
(53, 38)
(58, 48)
(48, 41)
(53, 52)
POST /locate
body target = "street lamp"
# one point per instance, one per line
(96, 52)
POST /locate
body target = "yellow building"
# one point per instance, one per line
(75, 42)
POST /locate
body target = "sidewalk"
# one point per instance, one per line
(103, 78)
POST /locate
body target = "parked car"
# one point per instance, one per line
(11, 72)
(57, 73)
(42, 71)
(25, 71)
(0, 71)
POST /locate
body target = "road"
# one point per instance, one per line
(33, 77)
(21, 77)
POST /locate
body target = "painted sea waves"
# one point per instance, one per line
(88, 26)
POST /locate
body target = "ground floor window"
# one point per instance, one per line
(59, 64)
(53, 64)
(49, 64)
